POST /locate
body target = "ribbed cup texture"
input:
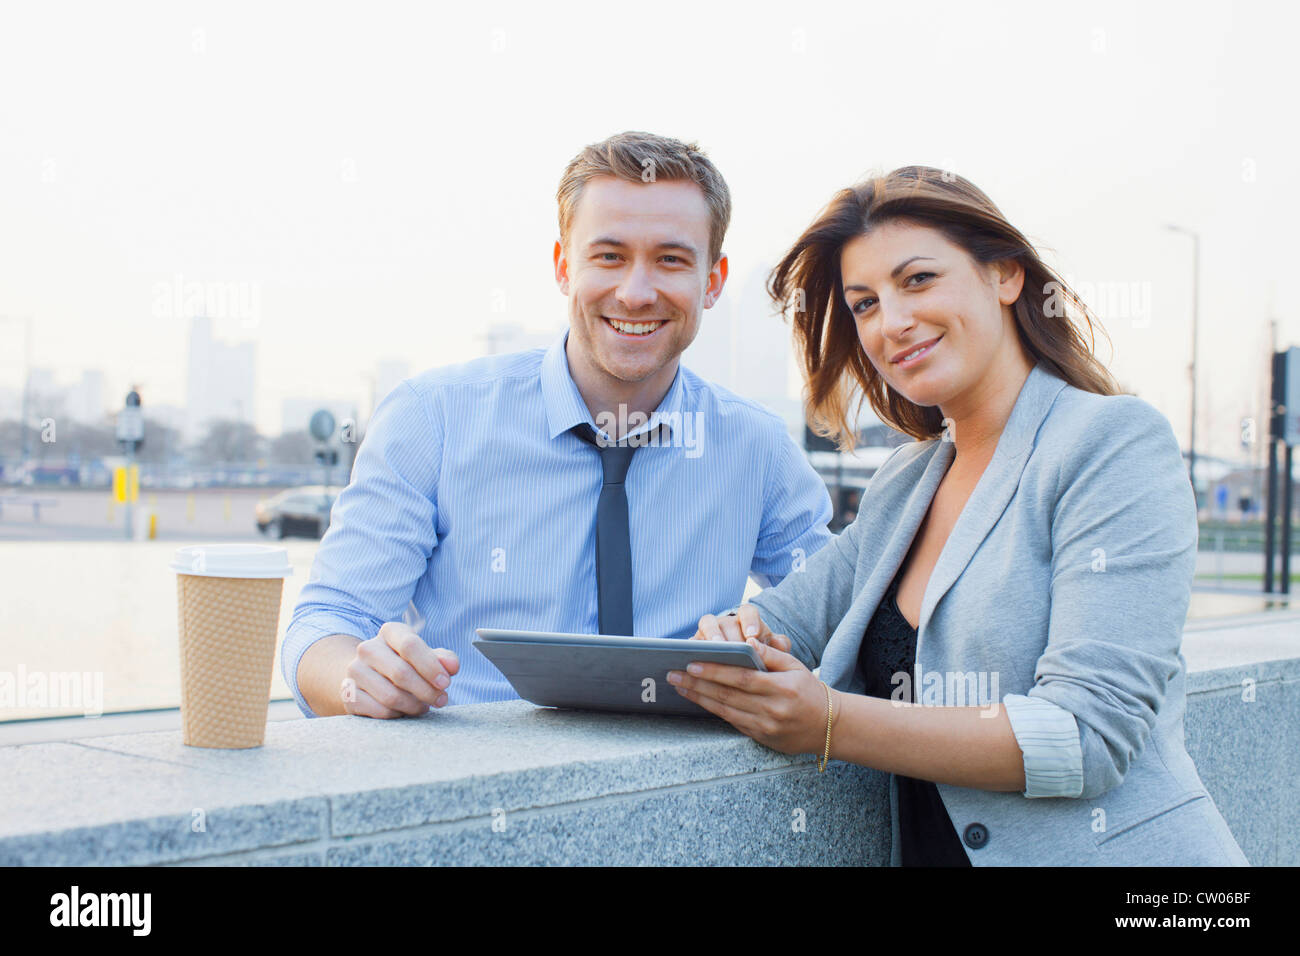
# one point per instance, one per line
(228, 628)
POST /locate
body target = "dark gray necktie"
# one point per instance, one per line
(613, 541)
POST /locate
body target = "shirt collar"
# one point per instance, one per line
(565, 407)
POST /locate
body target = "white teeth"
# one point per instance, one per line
(637, 328)
(908, 358)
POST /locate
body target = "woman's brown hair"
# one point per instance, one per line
(807, 281)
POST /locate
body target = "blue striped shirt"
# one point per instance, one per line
(472, 505)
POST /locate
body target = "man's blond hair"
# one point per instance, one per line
(646, 158)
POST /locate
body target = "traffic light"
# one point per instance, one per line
(130, 422)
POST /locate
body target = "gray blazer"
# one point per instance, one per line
(1067, 577)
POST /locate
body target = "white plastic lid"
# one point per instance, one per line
(232, 561)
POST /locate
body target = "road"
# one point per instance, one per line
(210, 514)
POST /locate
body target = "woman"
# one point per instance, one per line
(1002, 620)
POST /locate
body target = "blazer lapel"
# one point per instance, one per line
(995, 489)
(907, 496)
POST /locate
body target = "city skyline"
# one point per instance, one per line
(756, 362)
(88, 400)
(347, 234)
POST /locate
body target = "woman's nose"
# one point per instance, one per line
(895, 319)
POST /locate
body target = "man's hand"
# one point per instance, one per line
(743, 624)
(395, 674)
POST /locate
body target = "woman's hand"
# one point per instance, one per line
(744, 623)
(783, 707)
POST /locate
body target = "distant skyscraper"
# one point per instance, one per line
(221, 382)
(86, 400)
(11, 403)
(503, 337)
(83, 401)
(743, 345)
(47, 397)
(42, 382)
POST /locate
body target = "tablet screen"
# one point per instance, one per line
(604, 672)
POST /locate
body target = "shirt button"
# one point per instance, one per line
(976, 836)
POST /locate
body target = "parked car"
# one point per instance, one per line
(296, 512)
(38, 474)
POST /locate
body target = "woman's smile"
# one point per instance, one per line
(915, 356)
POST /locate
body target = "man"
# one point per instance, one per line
(593, 486)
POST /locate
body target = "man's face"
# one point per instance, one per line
(637, 275)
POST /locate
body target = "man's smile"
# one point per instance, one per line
(642, 329)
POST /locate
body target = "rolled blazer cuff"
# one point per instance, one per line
(1048, 736)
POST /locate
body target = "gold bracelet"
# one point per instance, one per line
(821, 763)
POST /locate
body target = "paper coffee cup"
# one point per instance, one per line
(229, 613)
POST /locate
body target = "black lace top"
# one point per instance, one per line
(926, 833)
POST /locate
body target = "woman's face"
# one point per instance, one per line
(909, 288)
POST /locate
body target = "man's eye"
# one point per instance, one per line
(608, 256)
(671, 259)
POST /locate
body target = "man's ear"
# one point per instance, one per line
(561, 267)
(717, 279)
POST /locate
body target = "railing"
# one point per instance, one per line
(515, 784)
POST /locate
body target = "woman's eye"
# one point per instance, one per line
(920, 275)
(857, 306)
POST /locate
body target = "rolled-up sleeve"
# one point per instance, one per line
(1048, 736)
(1124, 539)
(381, 534)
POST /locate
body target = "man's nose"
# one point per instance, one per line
(636, 291)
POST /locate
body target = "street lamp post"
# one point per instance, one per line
(1196, 285)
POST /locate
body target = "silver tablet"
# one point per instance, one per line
(601, 672)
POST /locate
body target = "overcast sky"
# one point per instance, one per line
(375, 174)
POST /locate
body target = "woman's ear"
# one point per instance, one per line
(1009, 277)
